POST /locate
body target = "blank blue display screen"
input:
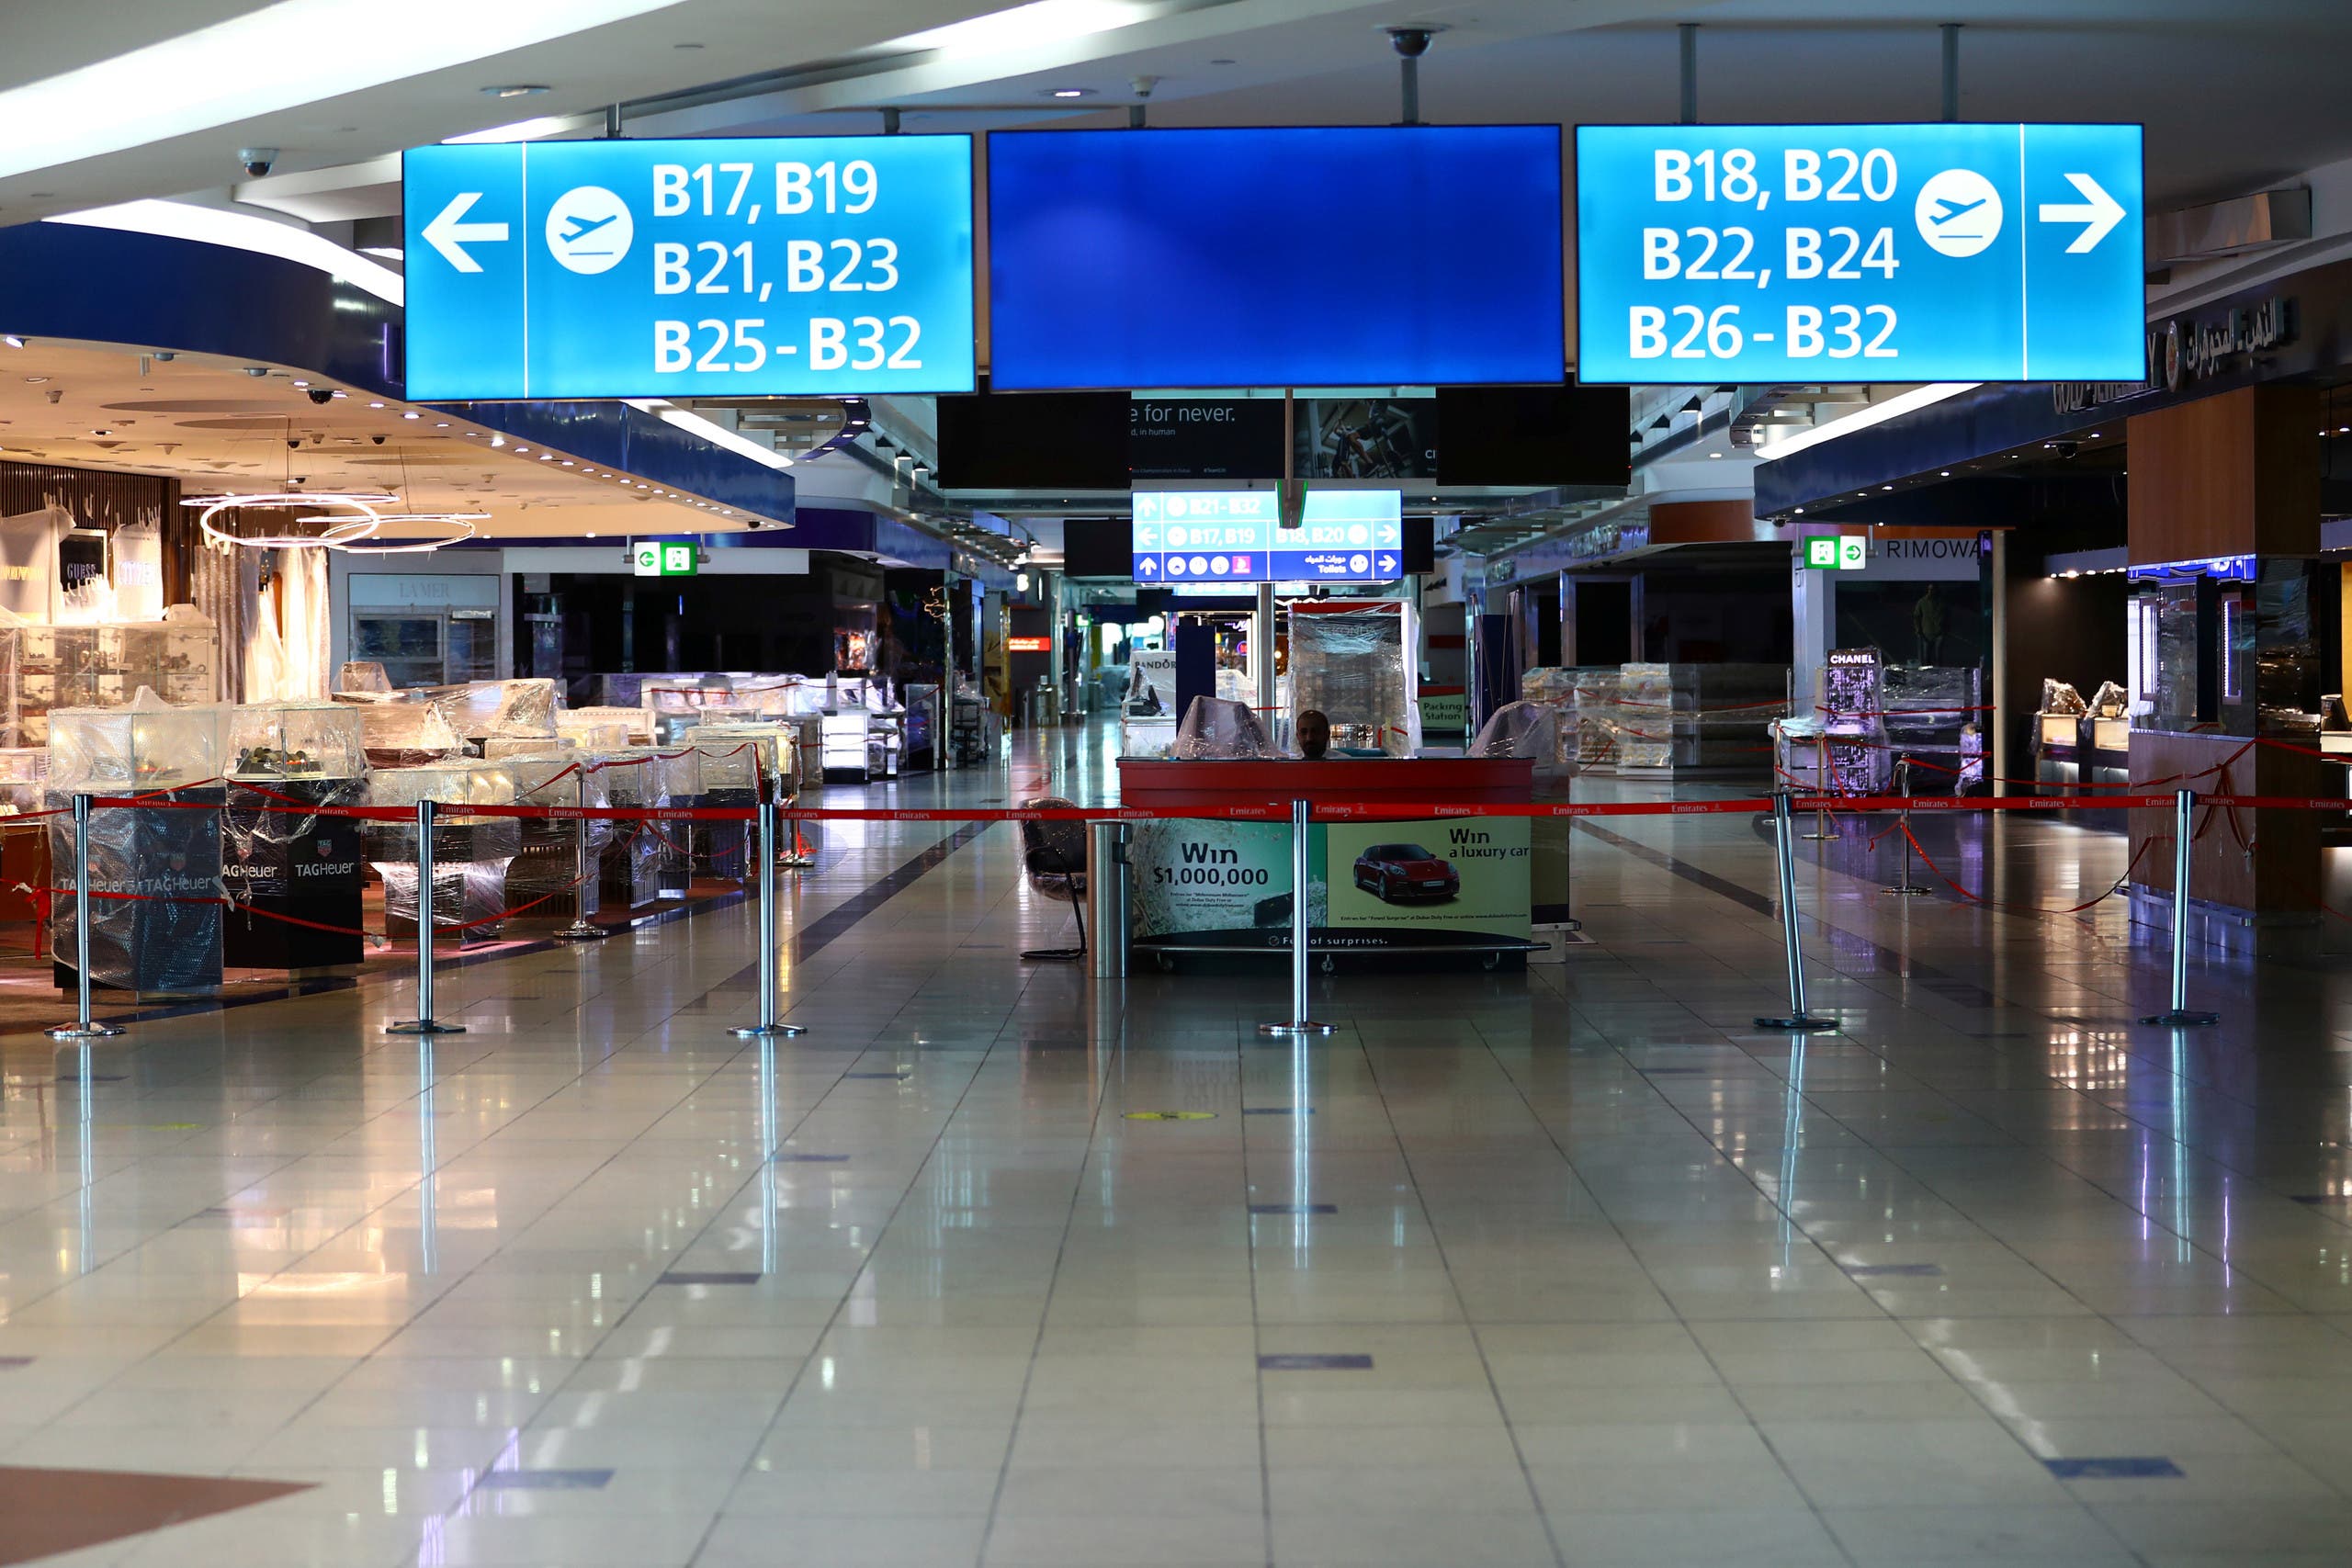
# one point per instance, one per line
(1355, 256)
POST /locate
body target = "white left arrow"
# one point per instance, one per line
(449, 234)
(2098, 214)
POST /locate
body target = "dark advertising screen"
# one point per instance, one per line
(1365, 256)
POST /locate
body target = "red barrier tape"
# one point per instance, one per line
(1322, 811)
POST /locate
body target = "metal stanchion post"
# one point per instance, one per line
(1299, 1024)
(767, 1028)
(581, 928)
(1799, 1017)
(83, 1026)
(424, 1022)
(1906, 888)
(2184, 810)
(1822, 832)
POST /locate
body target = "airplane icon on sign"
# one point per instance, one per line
(583, 227)
(1947, 209)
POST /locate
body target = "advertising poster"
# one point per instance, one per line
(1212, 884)
(1460, 881)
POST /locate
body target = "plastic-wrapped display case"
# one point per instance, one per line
(736, 758)
(289, 871)
(675, 775)
(148, 745)
(554, 871)
(629, 860)
(1932, 718)
(23, 772)
(470, 853)
(605, 730)
(24, 843)
(296, 740)
(166, 939)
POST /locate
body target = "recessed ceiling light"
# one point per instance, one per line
(441, 425)
(13, 341)
(592, 533)
(1715, 454)
(338, 394)
(412, 414)
(515, 90)
(35, 381)
(1068, 92)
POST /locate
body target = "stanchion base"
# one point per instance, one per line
(1909, 890)
(1808, 1025)
(84, 1032)
(581, 930)
(424, 1026)
(762, 1030)
(2183, 1019)
(1305, 1026)
(796, 862)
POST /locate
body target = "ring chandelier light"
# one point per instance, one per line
(344, 534)
(343, 531)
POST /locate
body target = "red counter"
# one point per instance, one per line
(1422, 779)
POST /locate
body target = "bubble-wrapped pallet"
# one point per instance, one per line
(1683, 717)
(1598, 712)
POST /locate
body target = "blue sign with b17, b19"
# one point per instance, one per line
(746, 266)
(1859, 253)
(1235, 536)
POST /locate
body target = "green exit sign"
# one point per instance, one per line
(654, 558)
(1837, 552)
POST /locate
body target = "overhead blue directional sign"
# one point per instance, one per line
(1859, 253)
(835, 265)
(1234, 535)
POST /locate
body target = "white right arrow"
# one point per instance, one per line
(446, 235)
(2099, 214)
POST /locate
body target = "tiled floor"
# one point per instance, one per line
(1568, 1267)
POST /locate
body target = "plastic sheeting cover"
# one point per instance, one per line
(147, 745)
(1350, 665)
(1215, 729)
(1529, 729)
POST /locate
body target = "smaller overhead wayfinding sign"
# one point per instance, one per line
(1235, 536)
(1859, 253)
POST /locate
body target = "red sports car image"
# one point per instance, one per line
(1407, 873)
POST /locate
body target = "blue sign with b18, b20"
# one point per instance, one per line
(1235, 536)
(750, 266)
(1859, 253)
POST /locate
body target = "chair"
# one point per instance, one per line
(1054, 855)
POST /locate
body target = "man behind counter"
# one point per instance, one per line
(1314, 734)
